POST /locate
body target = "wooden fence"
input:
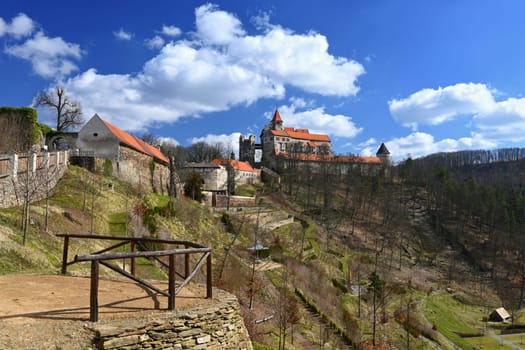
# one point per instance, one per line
(102, 257)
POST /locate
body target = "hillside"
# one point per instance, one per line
(351, 261)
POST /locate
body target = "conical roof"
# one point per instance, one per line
(382, 150)
(277, 116)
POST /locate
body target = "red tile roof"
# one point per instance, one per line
(301, 134)
(334, 159)
(277, 116)
(136, 143)
(235, 164)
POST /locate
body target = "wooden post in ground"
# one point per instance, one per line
(171, 282)
(186, 263)
(64, 254)
(133, 266)
(93, 293)
(209, 292)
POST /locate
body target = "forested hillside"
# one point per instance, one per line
(415, 257)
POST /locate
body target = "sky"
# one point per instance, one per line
(422, 76)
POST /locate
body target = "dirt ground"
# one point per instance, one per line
(52, 311)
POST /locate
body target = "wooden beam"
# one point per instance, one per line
(64, 255)
(134, 278)
(195, 270)
(209, 278)
(113, 256)
(93, 292)
(171, 283)
(130, 239)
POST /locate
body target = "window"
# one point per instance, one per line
(95, 134)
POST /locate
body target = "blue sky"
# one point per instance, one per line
(422, 76)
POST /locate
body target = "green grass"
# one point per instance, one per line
(450, 317)
(486, 343)
(247, 190)
(117, 223)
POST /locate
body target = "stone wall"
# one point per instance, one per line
(135, 168)
(214, 326)
(221, 201)
(30, 176)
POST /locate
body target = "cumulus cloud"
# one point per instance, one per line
(418, 144)
(121, 34)
(155, 43)
(50, 57)
(302, 114)
(229, 142)
(20, 26)
(436, 106)
(217, 27)
(219, 67)
(169, 140)
(171, 31)
(492, 120)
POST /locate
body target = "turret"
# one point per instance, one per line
(384, 154)
(277, 122)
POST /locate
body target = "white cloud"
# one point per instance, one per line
(301, 114)
(419, 144)
(230, 142)
(20, 26)
(493, 121)
(171, 31)
(301, 60)
(155, 43)
(169, 140)
(217, 27)
(506, 122)
(121, 34)
(219, 68)
(50, 57)
(436, 106)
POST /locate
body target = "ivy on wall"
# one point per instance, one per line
(35, 129)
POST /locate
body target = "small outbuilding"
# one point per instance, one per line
(500, 315)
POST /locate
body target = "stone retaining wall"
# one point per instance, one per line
(216, 326)
(31, 180)
(235, 201)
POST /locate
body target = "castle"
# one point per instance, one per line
(279, 143)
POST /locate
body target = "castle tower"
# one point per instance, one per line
(277, 122)
(384, 154)
(247, 149)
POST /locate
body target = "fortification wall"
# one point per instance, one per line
(29, 176)
(214, 327)
(136, 168)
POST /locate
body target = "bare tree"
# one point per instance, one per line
(68, 111)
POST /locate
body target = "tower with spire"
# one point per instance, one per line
(384, 155)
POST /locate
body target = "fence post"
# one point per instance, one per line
(171, 283)
(33, 162)
(209, 290)
(133, 266)
(64, 255)
(93, 292)
(186, 263)
(57, 159)
(46, 160)
(14, 164)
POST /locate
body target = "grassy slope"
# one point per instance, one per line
(70, 211)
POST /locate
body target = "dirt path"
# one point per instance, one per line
(52, 312)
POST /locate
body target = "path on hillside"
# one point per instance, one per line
(52, 311)
(502, 340)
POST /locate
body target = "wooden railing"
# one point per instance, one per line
(102, 257)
